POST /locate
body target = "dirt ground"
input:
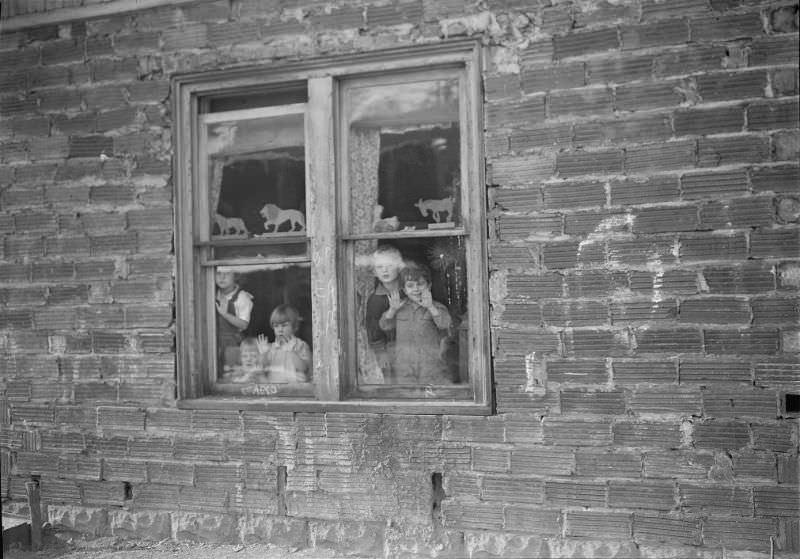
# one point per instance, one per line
(73, 546)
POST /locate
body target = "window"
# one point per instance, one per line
(331, 235)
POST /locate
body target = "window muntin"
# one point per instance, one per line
(438, 111)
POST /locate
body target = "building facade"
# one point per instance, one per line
(620, 260)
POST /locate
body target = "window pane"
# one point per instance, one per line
(404, 156)
(256, 176)
(423, 340)
(259, 251)
(267, 303)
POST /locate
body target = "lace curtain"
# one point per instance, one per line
(364, 154)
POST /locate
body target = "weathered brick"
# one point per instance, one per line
(659, 9)
(776, 501)
(590, 524)
(740, 533)
(749, 464)
(679, 465)
(728, 86)
(480, 516)
(640, 96)
(644, 191)
(779, 243)
(647, 434)
(678, 341)
(576, 433)
(594, 283)
(777, 437)
(596, 342)
(520, 171)
(521, 227)
(732, 150)
(702, 121)
(590, 401)
(713, 247)
(666, 529)
(574, 194)
(721, 435)
(394, 14)
(546, 135)
(653, 400)
(512, 490)
(738, 213)
(563, 76)
(574, 493)
(614, 464)
(618, 69)
(741, 342)
(587, 101)
(570, 164)
(679, 154)
(740, 403)
(778, 49)
(715, 310)
(594, 223)
(526, 519)
(585, 42)
(641, 251)
(651, 496)
(649, 372)
(575, 313)
(714, 372)
(775, 311)
(528, 109)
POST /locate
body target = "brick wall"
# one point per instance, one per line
(642, 160)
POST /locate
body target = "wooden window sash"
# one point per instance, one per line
(330, 313)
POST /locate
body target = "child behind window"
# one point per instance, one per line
(419, 324)
(288, 358)
(252, 367)
(234, 306)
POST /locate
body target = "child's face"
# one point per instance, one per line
(249, 357)
(224, 279)
(415, 288)
(386, 267)
(283, 330)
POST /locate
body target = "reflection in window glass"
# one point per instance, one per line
(263, 324)
(404, 156)
(412, 305)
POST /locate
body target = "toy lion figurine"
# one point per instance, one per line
(274, 217)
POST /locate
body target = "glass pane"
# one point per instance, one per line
(282, 250)
(263, 324)
(256, 177)
(404, 155)
(260, 98)
(412, 325)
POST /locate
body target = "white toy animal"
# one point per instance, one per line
(380, 224)
(230, 225)
(274, 217)
(436, 208)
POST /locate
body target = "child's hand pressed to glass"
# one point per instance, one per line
(419, 291)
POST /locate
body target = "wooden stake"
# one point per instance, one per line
(32, 491)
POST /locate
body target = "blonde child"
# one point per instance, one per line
(419, 324)
(288, 358)
(252, 368)
(386, 265)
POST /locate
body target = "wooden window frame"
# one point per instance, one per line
(327, 244)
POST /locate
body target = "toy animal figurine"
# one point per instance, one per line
(274, 217)
(381, 225)
(436, 208)
(230, 225)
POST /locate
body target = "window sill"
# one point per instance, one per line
(410, 407)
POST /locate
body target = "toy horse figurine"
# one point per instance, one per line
(436, 208)
(274, 217)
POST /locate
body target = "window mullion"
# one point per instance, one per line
(321, 197)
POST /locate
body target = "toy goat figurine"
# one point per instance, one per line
(436, 208)
(230, 225)
(274, 217)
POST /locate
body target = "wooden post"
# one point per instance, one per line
(32, 491)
